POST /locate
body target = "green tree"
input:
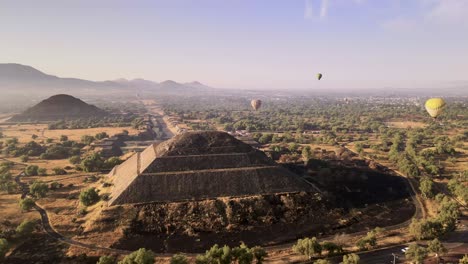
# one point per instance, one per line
(55, 185)
(26, 204)
(307, 154)
(87, 139)
(322, 261)
(59, 171)
(216, 254)
(101, 135)
(24, 158)
(39, 189)
(416, 253)
(112, 162)
(106, 260)
(242, 254)
(42, 172)
(425, 228)
(31, 170)
(436, 247)
(4, 246)
(179, 259)
(307, 247)
(331, 248)
(351, 259)
(370, 240)
(448, 214)
(359, 148)
(75, 159)
(426, 186)
(141, 256)
(259, 254)
(33, 136)
(92, 163)
(25, 229)
(63, 138)
(89, 196)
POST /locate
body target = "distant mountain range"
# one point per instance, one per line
(17, 78)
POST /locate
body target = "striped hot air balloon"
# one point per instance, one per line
(435, 106)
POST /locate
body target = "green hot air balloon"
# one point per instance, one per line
(319, 76)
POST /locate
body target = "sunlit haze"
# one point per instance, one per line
(243, 44)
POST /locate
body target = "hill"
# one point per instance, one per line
(59, 107)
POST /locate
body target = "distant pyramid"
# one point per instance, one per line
(199, 165)
(59, 107)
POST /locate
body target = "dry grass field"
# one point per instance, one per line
(406, 124)
(24, 132)
(11, 212)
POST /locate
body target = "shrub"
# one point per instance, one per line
(416, 253)
(25, 229)
(55, 185)
(101, 135)
(26, 204)
(308, 247)
(42, 171)
(31, 170)
(179, 259)
(4, 246)
(322, 261)
(351, 259)
(106, 260)
(112, 162)
(39, 189)
(141, 256)
(82, 212)
(59, 171)
(75, 160)
(89, 197)
(87, 139)
(24, 158)
(92, 163)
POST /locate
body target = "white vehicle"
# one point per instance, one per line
(404, 249)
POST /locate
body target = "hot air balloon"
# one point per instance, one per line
(319, 76)
(435, 106)
(256, 104)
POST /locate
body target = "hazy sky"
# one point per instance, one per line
(242, 43)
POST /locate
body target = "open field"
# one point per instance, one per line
(406, 124)
(24, 132)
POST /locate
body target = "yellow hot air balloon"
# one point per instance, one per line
(435, 106)
(319, 76)
(256, 104)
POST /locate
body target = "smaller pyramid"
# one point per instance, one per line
(58, 107)
(199, 165)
